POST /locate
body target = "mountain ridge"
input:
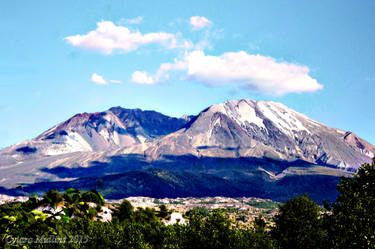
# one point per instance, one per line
(235, 128)
(242, 142)
(102, 131)
(263, 129)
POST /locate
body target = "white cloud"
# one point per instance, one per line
(136, 20)
(108, 38)
(162, 74)
(98, 79)
(252, 72)
(142, 78)
(199, 22)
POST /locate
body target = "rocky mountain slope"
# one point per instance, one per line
(246, 128)
(97, 132)
(239, 148)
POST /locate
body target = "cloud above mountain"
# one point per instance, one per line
(199, 22)
(142, 78)
(98, 79)
(252, 72)
(115, 81)
(108, 37)
(136, 20)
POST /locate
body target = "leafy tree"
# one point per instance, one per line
(247, 238)
(97, 234)
(138, 229)
(201, 210)
(163, 211)
(298, 224)
(72, 195)
(150, 226)
(216, 231)
(124, 211)
(145, 215)
(93, 196)
(260, 224)
(53, 197)
(353, 214)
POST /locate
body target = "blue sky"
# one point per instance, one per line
(178, 57)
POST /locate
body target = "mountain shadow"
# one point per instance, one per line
(184, 176)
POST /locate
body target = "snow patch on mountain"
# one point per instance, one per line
(240, 111)
(246, 113)
(260, 129)
(73, 142)
(283, 118)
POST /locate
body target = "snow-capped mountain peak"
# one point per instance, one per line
(247, 128)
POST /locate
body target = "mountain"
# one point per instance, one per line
(260, 129)
(237, 148)
(101, 131)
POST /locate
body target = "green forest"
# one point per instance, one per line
(300, 223)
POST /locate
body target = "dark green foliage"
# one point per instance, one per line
(93, 196)
(211, 232)
(263, 204)
(349, 222)
(129, 228)
(252, 239)
(298, 224)
(150, 226)
(53, 197)
(96, 234)
(124, 212)
(202, 211)
(353, 215)
(216, 231)
(163, 211)
(260, 224)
